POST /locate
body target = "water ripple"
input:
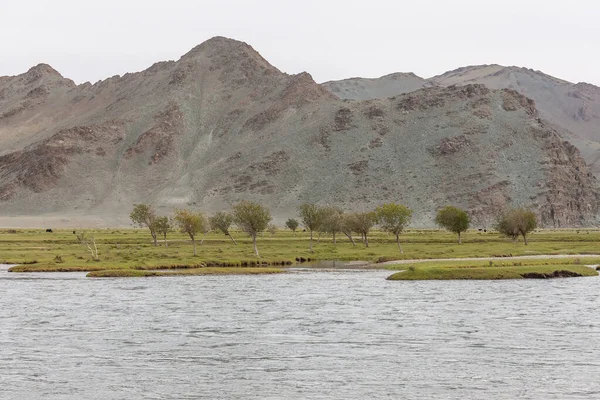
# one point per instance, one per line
(326, 335)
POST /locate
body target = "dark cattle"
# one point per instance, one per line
(49, 230)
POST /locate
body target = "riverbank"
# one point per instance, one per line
(132, 250)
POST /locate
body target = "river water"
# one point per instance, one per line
(303, 335)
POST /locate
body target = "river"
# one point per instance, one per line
(302, 335)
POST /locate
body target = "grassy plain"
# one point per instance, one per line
(132, 250)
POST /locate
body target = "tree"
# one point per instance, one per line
(517, 221)
(206, 228)
(252, 218)
(312, 218)
(222, 221)
(332, 221)
(190, 223)
(347, 226)
(144, 215)
(90, 243)
(272, 228)
(394, 218)
(292, 224)
(453, 219)
(163, 226)
(362, 222)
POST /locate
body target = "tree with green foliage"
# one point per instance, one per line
(333, 221)
(222, 221)
(163, 226)
(362, 223)
(347, 226)
(252, 218)
(311, 216)
(292, 224)
(190, 223)
(393, 218)
(453, 219)
(517, 222)
(144, 215)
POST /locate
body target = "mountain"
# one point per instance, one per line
(221, 124)
(367, 89)
(574, 109)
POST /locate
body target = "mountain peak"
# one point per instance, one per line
(41, 70)
(227, 54)
(45, 74)
(219, 44)
(402, 75)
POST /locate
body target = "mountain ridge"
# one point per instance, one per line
(221, 124)
(573, 108)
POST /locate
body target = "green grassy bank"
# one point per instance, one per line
(492, 272)
(133, 250)
(118, 273)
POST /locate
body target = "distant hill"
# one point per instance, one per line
(378, 88)
(221, 124)
(574, 109)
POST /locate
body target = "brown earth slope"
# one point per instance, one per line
(221, 124)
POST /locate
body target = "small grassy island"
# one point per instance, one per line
(131, 273)
(493, 272)
(133, 253)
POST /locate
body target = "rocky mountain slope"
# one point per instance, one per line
(574, 109)
(378, 88)
(222, 124)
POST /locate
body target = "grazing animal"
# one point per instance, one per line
(49, 230)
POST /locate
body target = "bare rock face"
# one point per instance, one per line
(570, 190)
(221, 124)
(41, 166)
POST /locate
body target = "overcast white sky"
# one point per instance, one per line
(331, 39)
